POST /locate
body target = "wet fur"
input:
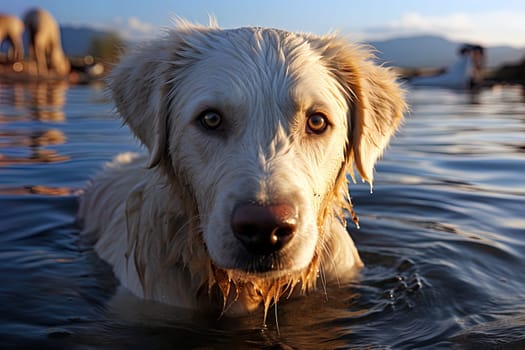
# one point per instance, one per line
(162, 219)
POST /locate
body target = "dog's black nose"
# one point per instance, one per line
(264, 229)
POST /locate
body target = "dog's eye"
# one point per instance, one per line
(316, 123)
(210, 120)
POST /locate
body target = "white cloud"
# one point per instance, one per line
(132, 28)
(494, 28)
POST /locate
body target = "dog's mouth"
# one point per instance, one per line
(263, 265)
(267, 266)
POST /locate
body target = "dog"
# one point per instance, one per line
(251, 134)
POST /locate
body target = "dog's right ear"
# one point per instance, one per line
(140, 86)
(144, 82)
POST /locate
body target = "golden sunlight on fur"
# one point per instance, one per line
(251, 133)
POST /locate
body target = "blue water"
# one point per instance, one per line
(442, 236)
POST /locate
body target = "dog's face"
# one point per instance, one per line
(258, 128)
(261, 126)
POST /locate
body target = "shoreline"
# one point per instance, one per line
(82, 72)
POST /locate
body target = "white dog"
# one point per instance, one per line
(251, 133)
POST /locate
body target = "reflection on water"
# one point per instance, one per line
(442, 237)
(28, 129)
(45, 100)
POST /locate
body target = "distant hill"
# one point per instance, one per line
(434, 51)
(75, 40)
(409, 52)
(500, 55)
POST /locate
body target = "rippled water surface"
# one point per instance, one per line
(442, 236)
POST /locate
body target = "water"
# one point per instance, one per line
(442, 237)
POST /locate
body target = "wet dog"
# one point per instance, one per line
(251, 134)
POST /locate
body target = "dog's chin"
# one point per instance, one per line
(247, 280)
(245, 288)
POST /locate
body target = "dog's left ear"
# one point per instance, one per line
(376, 104)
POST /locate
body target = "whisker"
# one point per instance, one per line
(322, 277)
(276, 320)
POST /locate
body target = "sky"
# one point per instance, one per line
(486, 22)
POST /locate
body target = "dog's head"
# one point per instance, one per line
(257, 129)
